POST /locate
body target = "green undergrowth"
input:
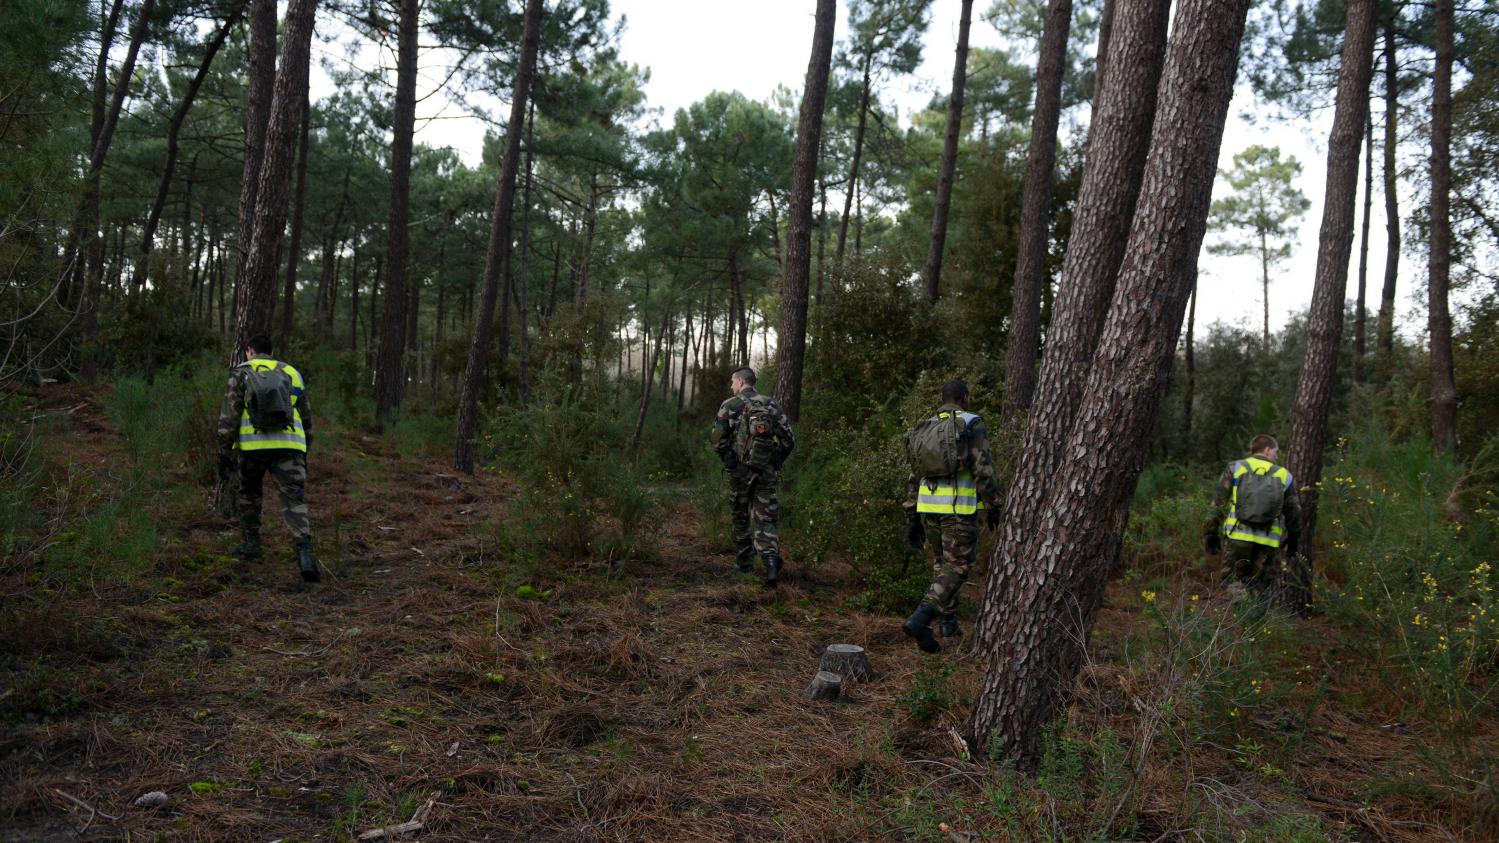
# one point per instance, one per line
(1404, 564)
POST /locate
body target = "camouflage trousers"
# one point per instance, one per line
(955, 542)
(1256, 566)
(289, 470)
(752, 502)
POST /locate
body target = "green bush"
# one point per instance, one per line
(1409, 543)
(583, 497)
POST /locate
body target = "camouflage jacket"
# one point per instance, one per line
(979, 461)
(1290, 512)
(232, 409)
(726, 423)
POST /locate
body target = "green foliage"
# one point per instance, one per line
(929, 693)
(582, 497)
(1409, 539)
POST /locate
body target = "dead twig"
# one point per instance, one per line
(92, 811)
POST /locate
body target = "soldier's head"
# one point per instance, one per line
(259, 344)
(955, 392)
(1264, 445)
(742, 379)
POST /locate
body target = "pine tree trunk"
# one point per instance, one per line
(791, 340)
(390, 368)
(1117, 148)
(1056, 583)
(853, 168)
(294, 247)
(174, 128)
(92, 277)
(523, 289)
(1439, 320)
(1324, 327)
(933, 272)
(258, 93)
(354, 301)
(1030, 256)
(499, 246)
(1384, 348)
(1190, 389)
(1360, 305)
(257, 285)
(78, 237)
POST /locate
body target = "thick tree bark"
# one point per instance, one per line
(257, 285)
(1384, 348)
(1056, 584)
(294, 247)
(389, 370)
(933, 272)
(1117, 148)
(1324, 327)
(258, 93)
(174, 129)
(499, 246)
(853, 168)
(1030, 256)
(1438, 319)
(791, 341)
(1360, 305)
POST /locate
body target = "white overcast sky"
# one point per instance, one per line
(693, 47)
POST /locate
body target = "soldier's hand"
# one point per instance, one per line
(226, 466)
(730, 459)
(1293, 545)
(915, 533)
(991, 517)
(1212, 542)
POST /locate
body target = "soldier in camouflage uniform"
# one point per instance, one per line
(281, 453)
(948, 508)
(753, 474)
(1251, 552)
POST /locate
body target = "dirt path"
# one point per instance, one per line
(495, 699)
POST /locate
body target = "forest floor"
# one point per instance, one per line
(654, 699)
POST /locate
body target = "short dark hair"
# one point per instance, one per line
(1262, 443)
(261, 343)
(745, 374)
(954, 390)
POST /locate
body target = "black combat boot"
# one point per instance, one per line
(919, 626)
(772, 569)
(948, 626)
(248, 549)
(307, 564)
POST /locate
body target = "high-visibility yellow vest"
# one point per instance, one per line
(292, 438)
(1238, 530)
(955, 495)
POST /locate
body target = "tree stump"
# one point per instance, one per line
(847, 660)
(825, 686)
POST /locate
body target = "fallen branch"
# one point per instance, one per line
(92, 811)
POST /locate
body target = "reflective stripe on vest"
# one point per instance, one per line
(1238, 530)
(289, 439)
(956, 495)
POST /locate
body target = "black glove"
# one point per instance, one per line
(226, 466)
(730, 459)
(991, 517)
(1293, 545)
(1212, 541)
(915, 533)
